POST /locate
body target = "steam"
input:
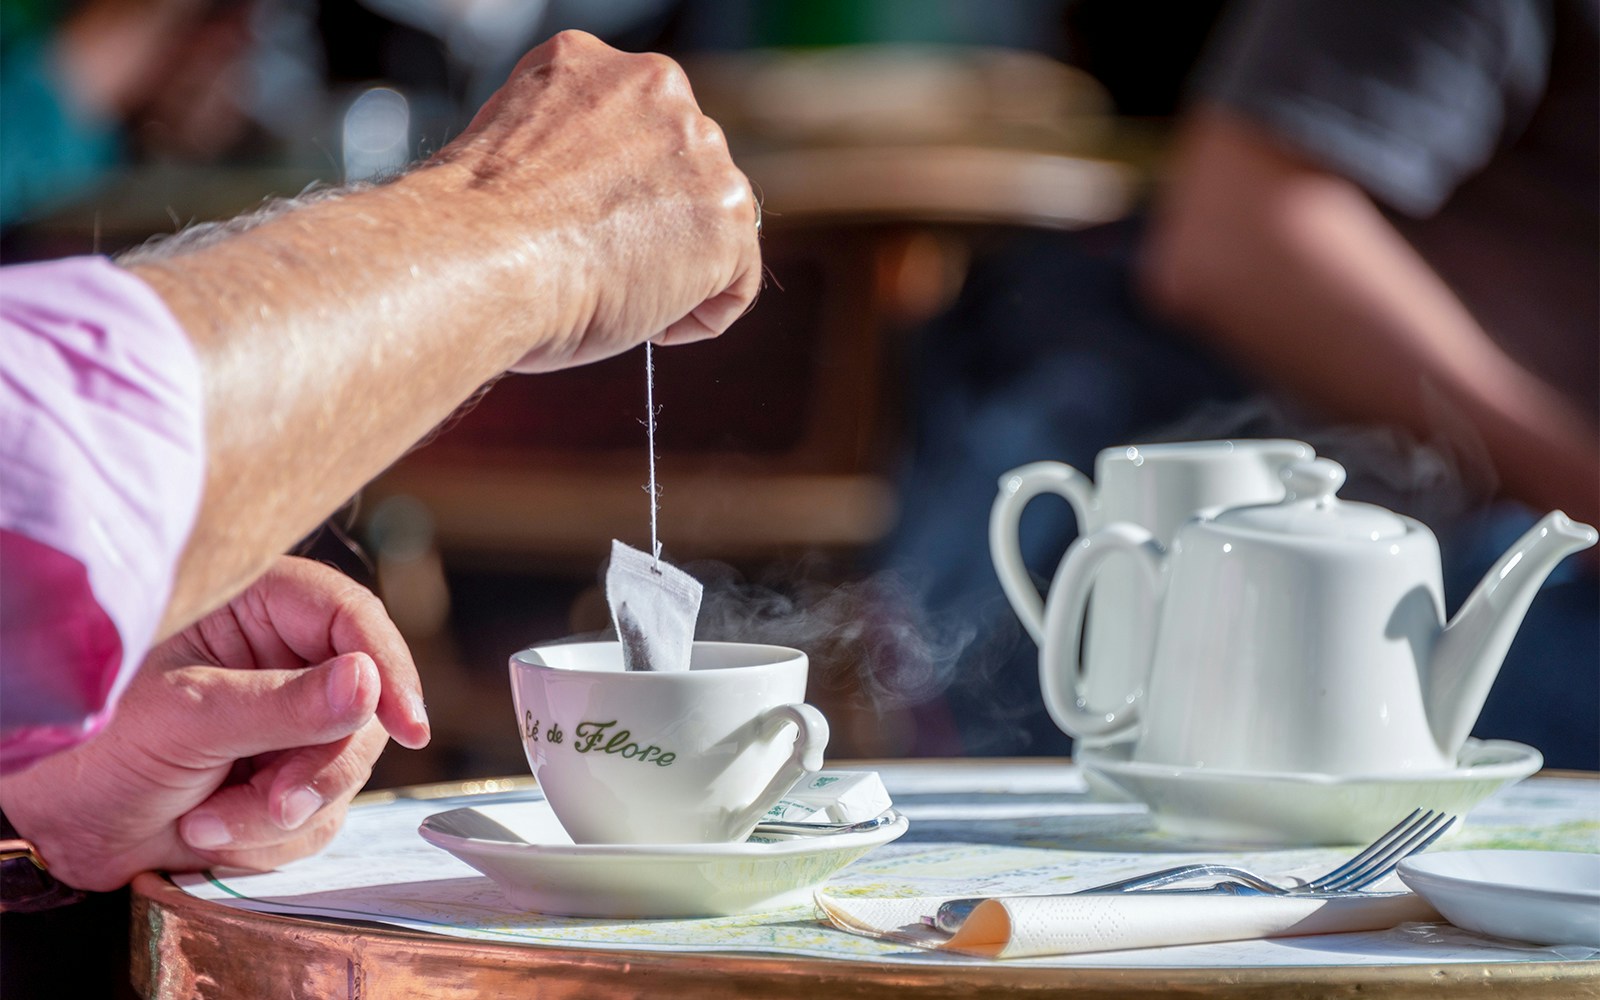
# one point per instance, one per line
(872, 634)
(882, 641)
(1439, 481)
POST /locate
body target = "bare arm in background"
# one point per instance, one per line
(1294, 272)
(588, 206)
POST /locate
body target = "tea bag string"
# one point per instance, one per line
(650, 434)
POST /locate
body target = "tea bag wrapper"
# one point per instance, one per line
(653, 606)
(832, 797)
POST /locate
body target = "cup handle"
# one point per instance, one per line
(1017, 487)
(1060, 670)
(809, 743)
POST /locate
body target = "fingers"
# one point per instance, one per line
(219, 715)
(605, 166)
(710, 319)
(742, 217)
(319, 613)
(308, 841)
(149, 789)
(285, 809)
(716, 314)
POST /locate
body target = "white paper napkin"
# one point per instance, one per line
(1026, 927)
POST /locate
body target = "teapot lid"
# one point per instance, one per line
(1310, 508)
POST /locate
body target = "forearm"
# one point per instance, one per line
(1297, 275)
(331, 338)
(588, 206)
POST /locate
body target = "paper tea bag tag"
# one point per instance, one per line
(653, 606)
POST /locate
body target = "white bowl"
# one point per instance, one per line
(1546, 897)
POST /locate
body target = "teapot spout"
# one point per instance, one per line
(1471, 648)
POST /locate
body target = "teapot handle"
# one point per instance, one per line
(1060, 669)
(1017, 488)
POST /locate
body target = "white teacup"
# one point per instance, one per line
(1155, 486)
(693, 756)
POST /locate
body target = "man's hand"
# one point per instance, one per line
(588, 207)
(240, 742)
(599, 163)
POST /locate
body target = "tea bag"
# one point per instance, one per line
(653, 606)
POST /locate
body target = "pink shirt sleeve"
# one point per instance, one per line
(101, 467)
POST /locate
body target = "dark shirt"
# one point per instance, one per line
(1474, 123)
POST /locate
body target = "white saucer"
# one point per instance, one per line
(1283, 809)
(524, 849)
(1547, 897)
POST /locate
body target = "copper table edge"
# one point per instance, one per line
(333, 959)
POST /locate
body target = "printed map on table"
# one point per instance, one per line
(985, 831)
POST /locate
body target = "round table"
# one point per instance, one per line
(185, 946)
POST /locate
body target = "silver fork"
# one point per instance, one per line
(1412, 834)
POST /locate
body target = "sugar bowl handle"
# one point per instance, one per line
(1017, 488)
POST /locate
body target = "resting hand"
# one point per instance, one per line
(240, 741)
(601, 179)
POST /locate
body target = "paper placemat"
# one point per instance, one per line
(975, 830)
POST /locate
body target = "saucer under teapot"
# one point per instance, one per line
(1213, 806)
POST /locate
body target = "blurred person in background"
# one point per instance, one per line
(1391, 213)
(1435, 332)
(95, 89)
(86, 82)
(173, 422)
(1048, 352)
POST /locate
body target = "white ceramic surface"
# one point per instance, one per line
(1304, 636)
(524, 849)
(1281, 809)
(691, 756)
(1157, 486)
(1546, 897)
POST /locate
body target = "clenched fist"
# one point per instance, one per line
(596, 169)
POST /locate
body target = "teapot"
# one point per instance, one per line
(1302, 636)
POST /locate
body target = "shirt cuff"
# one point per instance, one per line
(102, 443)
